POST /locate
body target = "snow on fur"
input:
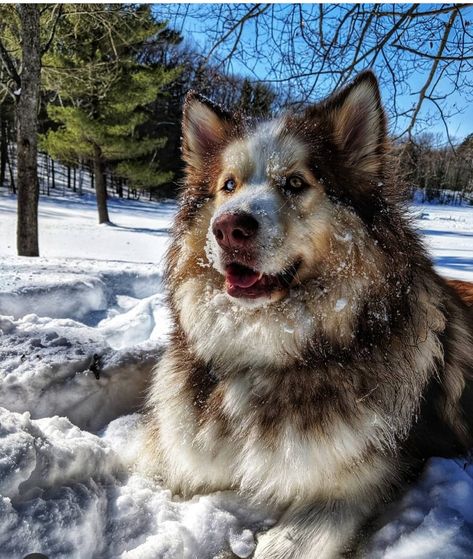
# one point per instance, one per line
(93, 305)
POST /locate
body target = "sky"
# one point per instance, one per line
(197, 32)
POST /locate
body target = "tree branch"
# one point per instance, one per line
(254, 11)
(423, 91)
(46, 47)
(428, 55)
(9, 65)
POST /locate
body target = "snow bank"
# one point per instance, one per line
(433, 520)
(93, 319)
(80, 289)
(48, 368)
(68, 494)
(75, 296)
(90, 374)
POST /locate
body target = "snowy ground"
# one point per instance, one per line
(92, 306)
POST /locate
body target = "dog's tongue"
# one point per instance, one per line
(241, 276)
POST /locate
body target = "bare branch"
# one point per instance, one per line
(254, 12)
(428, 55)
(423, 91)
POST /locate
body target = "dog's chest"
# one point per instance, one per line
(266, 441)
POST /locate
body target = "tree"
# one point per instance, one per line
(256, 99)
(27, 129)
(421, 53)
(7, 109)
(103, 89)
(21, 49)
(28, 84)
(441, 172)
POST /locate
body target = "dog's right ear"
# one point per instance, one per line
(205, 127)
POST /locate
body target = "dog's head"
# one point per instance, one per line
(284, 208)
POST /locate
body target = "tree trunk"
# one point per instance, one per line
(100, 186)
(3, 146)
(53, 174)
(12, 175)
(27, 132)
(120, 187)
(46, 164)
(81, 179)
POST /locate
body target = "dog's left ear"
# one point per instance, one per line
(205, 127)
(358, 123)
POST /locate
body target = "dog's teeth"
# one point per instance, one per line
(260, 276)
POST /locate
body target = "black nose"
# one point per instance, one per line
(235, 230)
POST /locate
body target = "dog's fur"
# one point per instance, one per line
(321, 398)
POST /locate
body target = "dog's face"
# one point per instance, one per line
(270, 217)
(278, 209)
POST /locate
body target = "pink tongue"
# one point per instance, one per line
(241, 276)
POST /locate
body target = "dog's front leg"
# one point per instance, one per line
(317, 531)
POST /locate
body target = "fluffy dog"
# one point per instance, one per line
(316, 358)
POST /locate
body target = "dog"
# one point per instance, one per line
(316, 358)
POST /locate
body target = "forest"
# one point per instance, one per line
(94, 91)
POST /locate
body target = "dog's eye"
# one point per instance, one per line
(229, 185)
(294, 183)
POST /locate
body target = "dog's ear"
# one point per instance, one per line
(205, 126)
(358, 123)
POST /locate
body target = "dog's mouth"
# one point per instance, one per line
(242, 281)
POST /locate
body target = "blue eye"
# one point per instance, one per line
(229, 185)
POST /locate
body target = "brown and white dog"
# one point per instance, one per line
(316, 358)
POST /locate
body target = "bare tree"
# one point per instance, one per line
(438, 171)
(421, 53)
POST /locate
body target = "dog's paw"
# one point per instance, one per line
(276, 544)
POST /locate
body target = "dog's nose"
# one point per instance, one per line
(234, 230)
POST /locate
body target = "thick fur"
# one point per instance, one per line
(464, 289)
(321, 400)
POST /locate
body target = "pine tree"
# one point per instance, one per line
(256, 100)
(104, 88)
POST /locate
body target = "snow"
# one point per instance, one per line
(434, 519)
(68, 493)
(340, 304)
(68, 228)
(93, 306)
(448, 234)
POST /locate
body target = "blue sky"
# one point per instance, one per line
(196, 31)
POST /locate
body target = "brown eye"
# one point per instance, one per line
(229, 185)
(294, 183)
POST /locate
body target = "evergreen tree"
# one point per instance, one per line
(104, 88)
(256, 100)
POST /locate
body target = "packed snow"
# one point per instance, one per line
(80, 330)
